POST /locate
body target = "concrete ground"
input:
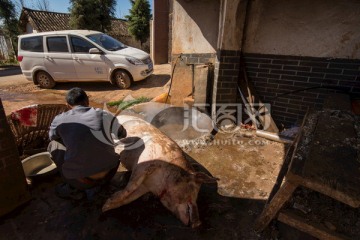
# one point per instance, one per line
(247, 170)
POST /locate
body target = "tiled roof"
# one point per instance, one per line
(43, 21)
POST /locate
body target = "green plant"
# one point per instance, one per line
(126, 104)
(139, 20)
(99, 19)
(9, 23)
(11, 61)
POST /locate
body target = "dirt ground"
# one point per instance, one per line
(17, 92)
(246, 165)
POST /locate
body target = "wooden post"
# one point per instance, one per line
(256, 105)
(271, 210)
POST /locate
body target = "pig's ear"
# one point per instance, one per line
(201, 177)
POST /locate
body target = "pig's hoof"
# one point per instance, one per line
(105, 208)
(196, 224)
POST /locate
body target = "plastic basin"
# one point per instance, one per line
(39, 164)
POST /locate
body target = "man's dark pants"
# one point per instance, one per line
(57, 151)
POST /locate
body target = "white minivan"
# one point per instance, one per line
(80, 55)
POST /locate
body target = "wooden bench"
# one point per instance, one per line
(324, 158)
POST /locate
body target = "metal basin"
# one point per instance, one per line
(39, 164)
(178, 123)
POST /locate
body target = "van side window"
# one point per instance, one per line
(57, 44)
(32, 44)
(80, 45)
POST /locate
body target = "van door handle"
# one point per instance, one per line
(76, 58)
(47, 57)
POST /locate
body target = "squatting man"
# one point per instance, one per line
(84, 161)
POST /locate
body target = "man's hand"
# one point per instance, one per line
(121, 132)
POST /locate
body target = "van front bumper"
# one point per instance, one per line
(142, 72)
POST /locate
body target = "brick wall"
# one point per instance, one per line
(275, 75)
(226, 76)
(13, 190)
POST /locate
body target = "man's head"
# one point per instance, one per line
(76, 96)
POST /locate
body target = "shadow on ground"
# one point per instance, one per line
(47, 216)
(9, 71)
(158, 80)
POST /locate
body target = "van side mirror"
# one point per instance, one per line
(95, 51)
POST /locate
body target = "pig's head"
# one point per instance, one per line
(180, 198)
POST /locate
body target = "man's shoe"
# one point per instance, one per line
(92, 192)
(65, 190)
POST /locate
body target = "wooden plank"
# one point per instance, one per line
(181, 84)
(338, 102)
(331, 164)
(202, 86)
(272, 209)
(315, 229)
(249, 92)
(287, 161)
(317, 186)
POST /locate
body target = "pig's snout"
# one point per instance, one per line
(187, 213)
(194, 215)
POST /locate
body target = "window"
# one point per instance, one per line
(80, 45)
(107, 42)
(32, 44)
(57, 44)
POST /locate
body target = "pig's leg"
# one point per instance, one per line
(133, 190)
(124, 197)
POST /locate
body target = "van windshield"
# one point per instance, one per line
(106, 42)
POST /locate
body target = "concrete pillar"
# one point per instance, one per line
(13, 189)
(160, 32)
(227, 65)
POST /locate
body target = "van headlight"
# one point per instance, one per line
(134, 61)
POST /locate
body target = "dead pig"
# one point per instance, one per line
(158, 166)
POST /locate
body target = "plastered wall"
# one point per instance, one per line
(315, 28)
(195, 26)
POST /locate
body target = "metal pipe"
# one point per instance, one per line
(273, 136)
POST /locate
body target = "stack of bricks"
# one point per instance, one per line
(275, 75)
(13, 188)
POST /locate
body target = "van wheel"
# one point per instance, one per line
(122, 79)
(45, 80)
